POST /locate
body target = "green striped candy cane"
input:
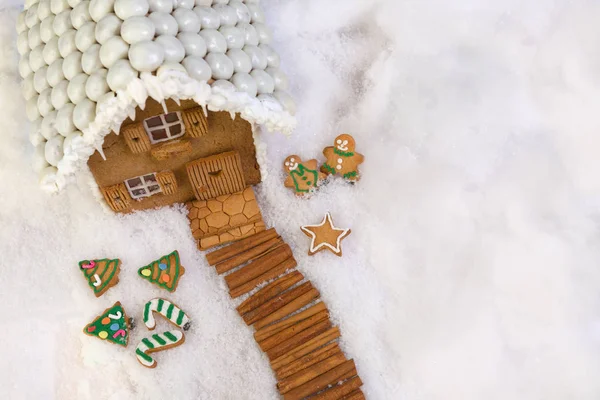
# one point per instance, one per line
(168, 310)
(157, 342)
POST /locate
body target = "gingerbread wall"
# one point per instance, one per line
(223, 135)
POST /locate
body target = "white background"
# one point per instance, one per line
(473, 267)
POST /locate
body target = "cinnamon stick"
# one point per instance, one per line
(268, 292)
(308, 360)
(306, 348)
(356, 395)
(258, 266)
(246, 256)
(292, 330)
(321, 382)
(347, 388)
(270, 274)
(311, 373)
(289, 308)
(298, 339)
(241, 246)
(266, 332)
(276, 303)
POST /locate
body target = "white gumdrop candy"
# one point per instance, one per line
(27, 88)
(64, 120)
(32, 18)
(58, 6)
(204, 3)
(233, 36)
(39, 158)
(209, 18)
(21, 25)
(75, 3)
(34, 37)
(62, 23)
(90, 60)
(165, 6)
(55, 73)
(46, 29)
(286, 100)
(112, 50)
(72, 65)
(242, 11)
(272, 56)
(76, 88)
(187, 20)
(227, 14)
(279, 78)
(250, 34)
(66, 43)
(80, 14)
(120, 74)
(187, 4)
(258, 58)
(220, 2)
(172, 47)
(48, 129)
(264, 33)
(24, 67)
(85, 36)
(165, 24)
(108, 27)
(215, 41)
(220, 64)
(193, 44)
(84, 113)
(36, 58)
(137, 29)
(23, 43)
(96, 85)
(170, 67)
(101, 8)
(31, 109)
(146, 56)
(245, 83)
(59, 95)
(40, 83)
(264, 81)
(43, 10)
(224, 86)
(197, 68)
(50, 52)
(53, 151)
(44, 102)
(256, 14)
(241, 61)
(125, 9)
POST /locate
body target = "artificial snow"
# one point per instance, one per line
(473, 267)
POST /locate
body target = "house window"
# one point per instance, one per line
(164, 127)
(143, 186)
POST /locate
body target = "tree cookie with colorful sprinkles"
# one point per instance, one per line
(342, 158)
(112, 325)
(302, 176)
(169, 310)
(101, 274)
(164, 272)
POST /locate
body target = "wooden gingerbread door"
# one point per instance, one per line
(216, 175)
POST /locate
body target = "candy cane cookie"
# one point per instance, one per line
(168, 310)
(157, 342)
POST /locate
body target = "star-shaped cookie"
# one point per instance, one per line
(325, 236)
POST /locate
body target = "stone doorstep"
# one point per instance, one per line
(231, 235)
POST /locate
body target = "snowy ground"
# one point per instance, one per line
(472, 271)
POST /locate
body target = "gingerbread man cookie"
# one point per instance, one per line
(302, 176)
(342, 159)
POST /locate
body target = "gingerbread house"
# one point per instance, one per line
(159, 99)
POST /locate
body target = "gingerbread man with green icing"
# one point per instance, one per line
(302, 176)
(342, 159)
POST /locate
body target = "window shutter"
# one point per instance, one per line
(117, 197)
(195, 122)
(167, 182)
(136, 137)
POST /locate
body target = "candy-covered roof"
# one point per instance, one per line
(87, 65)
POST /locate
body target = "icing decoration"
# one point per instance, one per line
(325, 236)
(302, 176)
(101, 274)
(342, 158)
(99, 326)
(157, 342)
(168, 310)
(162, 266)
(167, 278)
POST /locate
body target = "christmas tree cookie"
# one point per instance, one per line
(101, 274)
(342, 159)
(302, 176)
(164, 272)
(111, 325)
